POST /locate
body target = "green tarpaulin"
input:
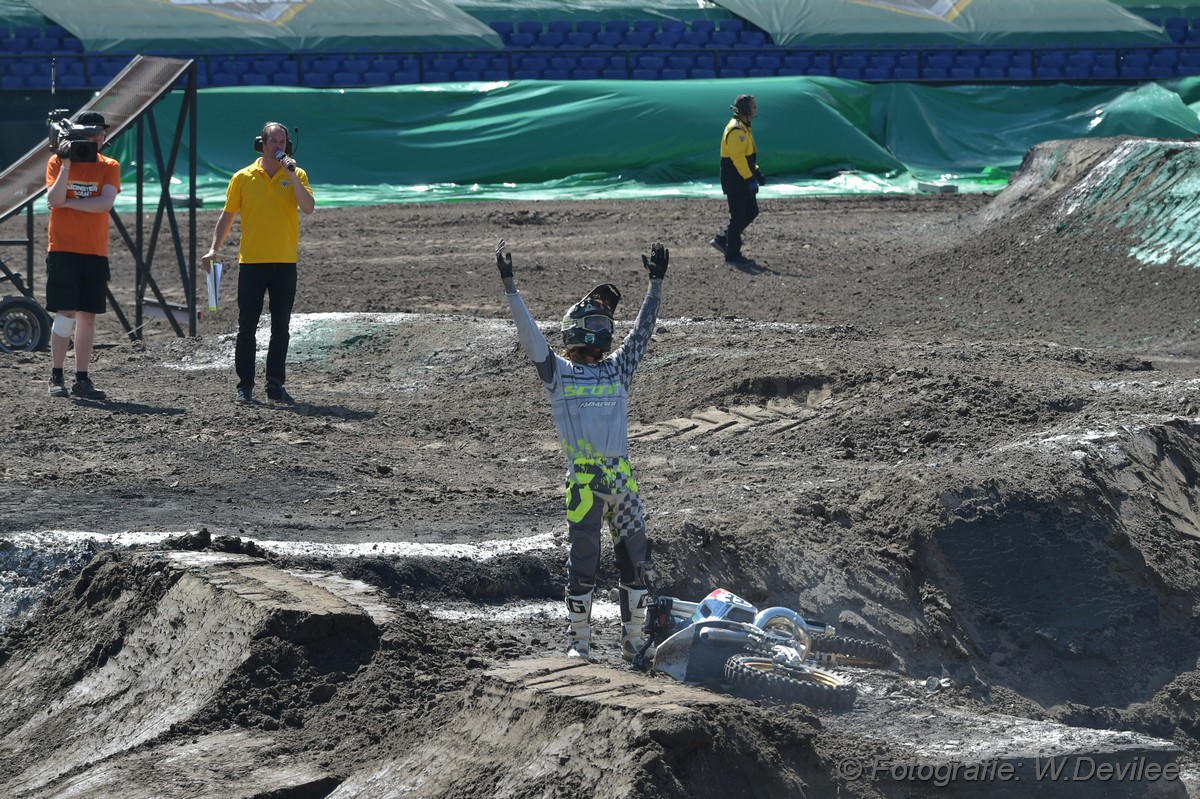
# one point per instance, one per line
(996, 23)
(205, 26)
(586, 139)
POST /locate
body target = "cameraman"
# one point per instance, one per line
(80, 195)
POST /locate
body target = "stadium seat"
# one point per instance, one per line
(564, 63)
(675, 25)
(1020, 73)
(667, 39)
(703, 74)
(613, 73)
(550, 40)
(580, 39)
(674, 74)
(653, 62)
(905, 74)
(1176, 28)
(636, 39)
(593, 63)
(695, 39)
(529, 26)
(254, 79)
(705, 25)
(502, 27)
(752, 39)
(355, 65)
(12, 82)
(797, 61)
(521, 40)
(645, 74)
(591, 26)
(732, 24)
(609, 40)
(585, 74)
(620, 26)
(559, 26)
(647, 25)
(876, 74)
(723, 39)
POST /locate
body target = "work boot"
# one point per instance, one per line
(278, 394)
(579, 625)
(633, 620)
(58, 388)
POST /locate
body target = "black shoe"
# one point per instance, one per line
(741, 261)
(58, 388)
(85, 390)
(718, 242)
(243, 397)
(277, 393)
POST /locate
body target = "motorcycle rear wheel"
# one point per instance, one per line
(837, 650)
(762, 678)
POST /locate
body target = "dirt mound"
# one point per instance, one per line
(961, 425)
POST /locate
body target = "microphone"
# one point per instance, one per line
(281, 157)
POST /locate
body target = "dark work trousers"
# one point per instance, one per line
(254, 281)
(743, 208)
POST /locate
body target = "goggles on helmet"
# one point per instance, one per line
(596, 323)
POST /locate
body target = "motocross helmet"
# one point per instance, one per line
(589, 322)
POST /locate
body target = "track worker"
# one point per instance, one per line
(740, 179)
(588, 389)
(80, 195)
(268, 194)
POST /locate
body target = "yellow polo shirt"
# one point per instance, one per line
(270, 216)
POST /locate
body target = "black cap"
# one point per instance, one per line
(94, 118)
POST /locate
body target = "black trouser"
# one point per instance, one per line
(743, 208)
(254, 281)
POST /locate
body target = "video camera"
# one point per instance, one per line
(63, 129)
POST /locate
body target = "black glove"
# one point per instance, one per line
(503, 260)
(761, 178)
(656, 264)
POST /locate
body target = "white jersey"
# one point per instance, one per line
(590, 402)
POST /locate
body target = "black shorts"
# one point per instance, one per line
(76, 282)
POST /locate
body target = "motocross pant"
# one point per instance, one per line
(600, 490)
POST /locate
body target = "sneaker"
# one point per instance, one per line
(741, 262)
(58, 388)
(85, 390)
(243, 397)
(718, 242)
(578, 650)
(277, 393)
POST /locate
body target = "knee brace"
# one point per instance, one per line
(63, 325)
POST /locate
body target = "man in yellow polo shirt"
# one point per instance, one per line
(268, 194)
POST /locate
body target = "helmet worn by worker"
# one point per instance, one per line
(589, 322)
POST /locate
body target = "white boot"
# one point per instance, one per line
(633, 620)
(579, 625)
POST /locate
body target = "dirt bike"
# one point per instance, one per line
(774, 653)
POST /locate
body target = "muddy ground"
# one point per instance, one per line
(962, 425)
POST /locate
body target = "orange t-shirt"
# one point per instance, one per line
(72, 230)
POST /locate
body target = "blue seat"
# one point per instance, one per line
(617, 26)
(559, 26)
(502, 27)
(732, 24)
(736, 62)
(702, 74)
(612, 73)
(385, 65)
(377, 78)
(667, 39)
(992, 73)
(609, 39)
(533, 63)
(636, 39)
(684, 62)
(905, 74)
(585, 74)
(648, 25)
(674, 74)
(433, 76)
(550, 40)
(705, 25)
(580, 39)
(723, 39)
(1055, 59)
(997, 59)
(533, 26)
(653, 62)
(1176, 28)
(593, 63)
(695, 39)
(876, 74)
(522, 40)
(675, 25)
(591, 26)
(797, 61)
(356, 65)
(564, 63)
(12, 82)
(851, 61)
(939, 61)
(1020, 73)
(225, 79)
(254, 79)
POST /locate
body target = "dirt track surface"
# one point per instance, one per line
(965, 426)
